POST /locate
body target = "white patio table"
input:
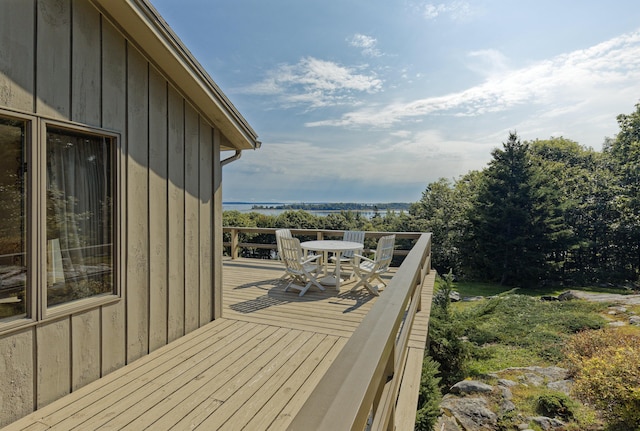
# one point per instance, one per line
(331, 246)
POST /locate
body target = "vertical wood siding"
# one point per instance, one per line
(17, 59)
(114, 116)
(62, 59)
(175, 204)
(157, 210)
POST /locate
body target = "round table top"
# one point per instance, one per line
(331, 245)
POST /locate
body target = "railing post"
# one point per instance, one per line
(234, 243)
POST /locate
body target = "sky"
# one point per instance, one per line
(372, 100)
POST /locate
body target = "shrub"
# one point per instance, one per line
(607, 376)
(429, 397)
(556, 404)
(587, 344)
(446, 330)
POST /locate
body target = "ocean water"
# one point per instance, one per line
(246, 207)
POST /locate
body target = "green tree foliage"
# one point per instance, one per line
(509, 219)
(625, 160)
(565, 174)
(442, 211)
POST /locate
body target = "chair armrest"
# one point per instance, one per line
(311, 258)
(360, 257)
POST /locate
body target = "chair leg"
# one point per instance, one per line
(377, 277)
(294, 278)
(304, 289)
(364, 281)
(372, 289)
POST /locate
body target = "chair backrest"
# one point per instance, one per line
(281, 233)
(353, 236)
(384, 252)
(291, 254)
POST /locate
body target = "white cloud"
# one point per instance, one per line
(487, 62)
(316, 83)
(366, 43)
(561, 82)
(456, 10)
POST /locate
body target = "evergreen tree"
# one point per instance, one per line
(508, 222)
(625, 154)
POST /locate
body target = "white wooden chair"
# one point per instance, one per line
(282, 233)
(371, 269)
(303, 271)
(347, 258)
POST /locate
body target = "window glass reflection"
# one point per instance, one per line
(79, 216)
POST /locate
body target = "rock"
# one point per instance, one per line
(563, 386)
(470, 387)
(506, 393)
(549, 298)
(616, 309)
(634, 320)
(472, 413)
(507, 406)
(507, 383)
(616, 324)
(546, 423)
(552, 374)
(447, 423)
(454, 296)
(533, 379)
(472, 298)
(567, 296)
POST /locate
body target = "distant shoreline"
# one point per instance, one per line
(325, 206)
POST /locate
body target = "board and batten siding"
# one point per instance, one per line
(64, 60)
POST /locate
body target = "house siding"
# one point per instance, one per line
(65, 60)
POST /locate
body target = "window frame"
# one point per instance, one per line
(36, 309)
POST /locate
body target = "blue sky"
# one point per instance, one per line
(371, 100)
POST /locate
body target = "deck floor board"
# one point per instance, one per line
(251, 369)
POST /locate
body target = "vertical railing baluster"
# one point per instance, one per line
(234, 243)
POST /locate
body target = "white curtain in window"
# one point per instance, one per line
(78, 212)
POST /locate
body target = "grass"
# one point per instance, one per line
(525, 328)
(474, 288)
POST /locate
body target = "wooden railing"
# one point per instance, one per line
(235, 246)
(361, 387)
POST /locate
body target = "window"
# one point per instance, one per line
(13, 238)
(79, 216)
(56, 215)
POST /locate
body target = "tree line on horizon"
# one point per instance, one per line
(541, 212)
(336, 206)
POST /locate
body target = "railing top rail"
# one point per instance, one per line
(344, 396)
(328, 232)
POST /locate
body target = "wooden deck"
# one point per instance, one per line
(252, 369)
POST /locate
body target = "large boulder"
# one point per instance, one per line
(568, 296)
(470, 387)
(550, 374)
(547, 424)
(472, 413)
